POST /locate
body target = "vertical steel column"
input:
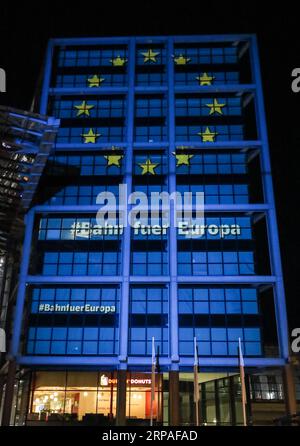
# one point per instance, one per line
(174, 402)
(124, 308)
(47, 79)
(173, 318)
(274, 249)
(121, 398)
(289, 389)
(17, 325)
(9, 393)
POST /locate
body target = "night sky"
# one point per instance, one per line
(25, 29)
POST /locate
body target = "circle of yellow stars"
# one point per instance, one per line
(150, 56)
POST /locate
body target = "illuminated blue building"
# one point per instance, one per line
(181, 113)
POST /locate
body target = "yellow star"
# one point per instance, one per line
(205, 79)
(150, 56)
(148, 167)
(118, 61)
(181, 60)
(215, 107)
(182, 158)
(113, 160)
(95, 81)
(83, 108)
(208, 136)
(90, 136)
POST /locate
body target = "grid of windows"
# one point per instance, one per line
(200, 55)
(80, 338)
(81, 263)
(73, 228)
(150, 106)
(90, 57)
(104, 55)
(85, 195)
(81, 80)
(102, 118)
(148, 189)
(203, 106)
(99, 107)
(213, 133)
(150, 133)
(72, 341)
(218, 194)
(87, 165)
(220, 341)
(150, 120)
(223, 164)
(148, 318)
(215, 77)
(210, 263)
(199, 300)
(151, 263)
(151, 78)
(103, 297)
(267, 387)
(79, 135)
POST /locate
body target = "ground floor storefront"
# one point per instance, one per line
(111, 397)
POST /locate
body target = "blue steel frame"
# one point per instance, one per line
(173, 361)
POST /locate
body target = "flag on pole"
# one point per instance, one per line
(153, 367)
(242, 378)
(196, 383)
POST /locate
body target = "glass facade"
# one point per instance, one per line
(71, 397)
(69, 245)
(148, 318)
(90, 398)
(167, 114)
(74, 321)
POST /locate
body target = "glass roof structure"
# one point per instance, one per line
(26, 140)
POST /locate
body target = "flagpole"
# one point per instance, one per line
(242, 379)
(158, 388)
(153, 365)
(196, 383)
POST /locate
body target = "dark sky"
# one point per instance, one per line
(25, 29)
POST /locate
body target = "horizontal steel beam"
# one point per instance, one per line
(113, 361)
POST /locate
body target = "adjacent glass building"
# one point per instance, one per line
(182, 113)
